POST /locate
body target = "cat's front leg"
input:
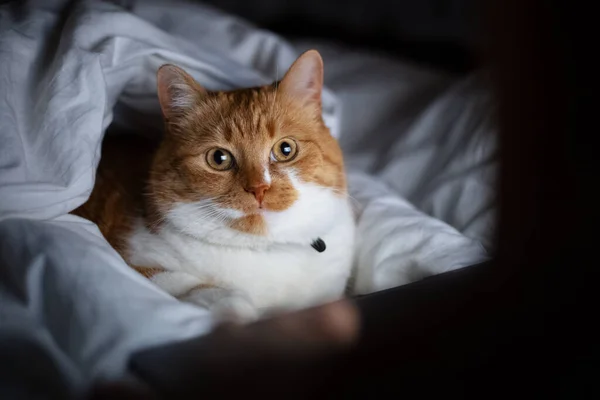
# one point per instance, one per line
(226, 304)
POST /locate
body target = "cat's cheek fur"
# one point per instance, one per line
(198, 218)
(309, 217)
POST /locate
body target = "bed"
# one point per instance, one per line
(418, 143)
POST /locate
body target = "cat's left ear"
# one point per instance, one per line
(178, 92)
(304, 80)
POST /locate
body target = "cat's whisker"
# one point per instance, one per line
(207, 203)
(356, 204)
(201, 207)
(214, 215)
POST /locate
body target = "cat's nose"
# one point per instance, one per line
(258, 191)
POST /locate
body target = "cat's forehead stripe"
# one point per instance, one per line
(246, 114)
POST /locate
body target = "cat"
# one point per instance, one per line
(242, 207)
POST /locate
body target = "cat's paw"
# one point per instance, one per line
(235, 309)
(226, 305)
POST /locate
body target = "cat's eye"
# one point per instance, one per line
(219, 159)
(284, 150)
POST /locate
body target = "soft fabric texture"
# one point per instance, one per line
(68, 300)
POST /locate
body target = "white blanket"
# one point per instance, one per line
(66, 297)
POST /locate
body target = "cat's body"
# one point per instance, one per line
(223, 212)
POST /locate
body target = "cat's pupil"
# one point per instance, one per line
(286, 149)
(219, 157)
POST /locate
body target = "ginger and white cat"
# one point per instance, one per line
(232, 209)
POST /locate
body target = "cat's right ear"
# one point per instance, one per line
(178, 92)
(304, 80)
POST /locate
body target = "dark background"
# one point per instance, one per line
(443, 33)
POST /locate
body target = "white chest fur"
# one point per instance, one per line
(279, 271)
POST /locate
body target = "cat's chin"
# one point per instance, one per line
(259, 212)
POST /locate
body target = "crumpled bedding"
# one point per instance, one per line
(429, 136)
(68, 300)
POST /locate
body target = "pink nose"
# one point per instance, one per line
(258, 191)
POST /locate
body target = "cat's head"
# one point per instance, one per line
(254, 164)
